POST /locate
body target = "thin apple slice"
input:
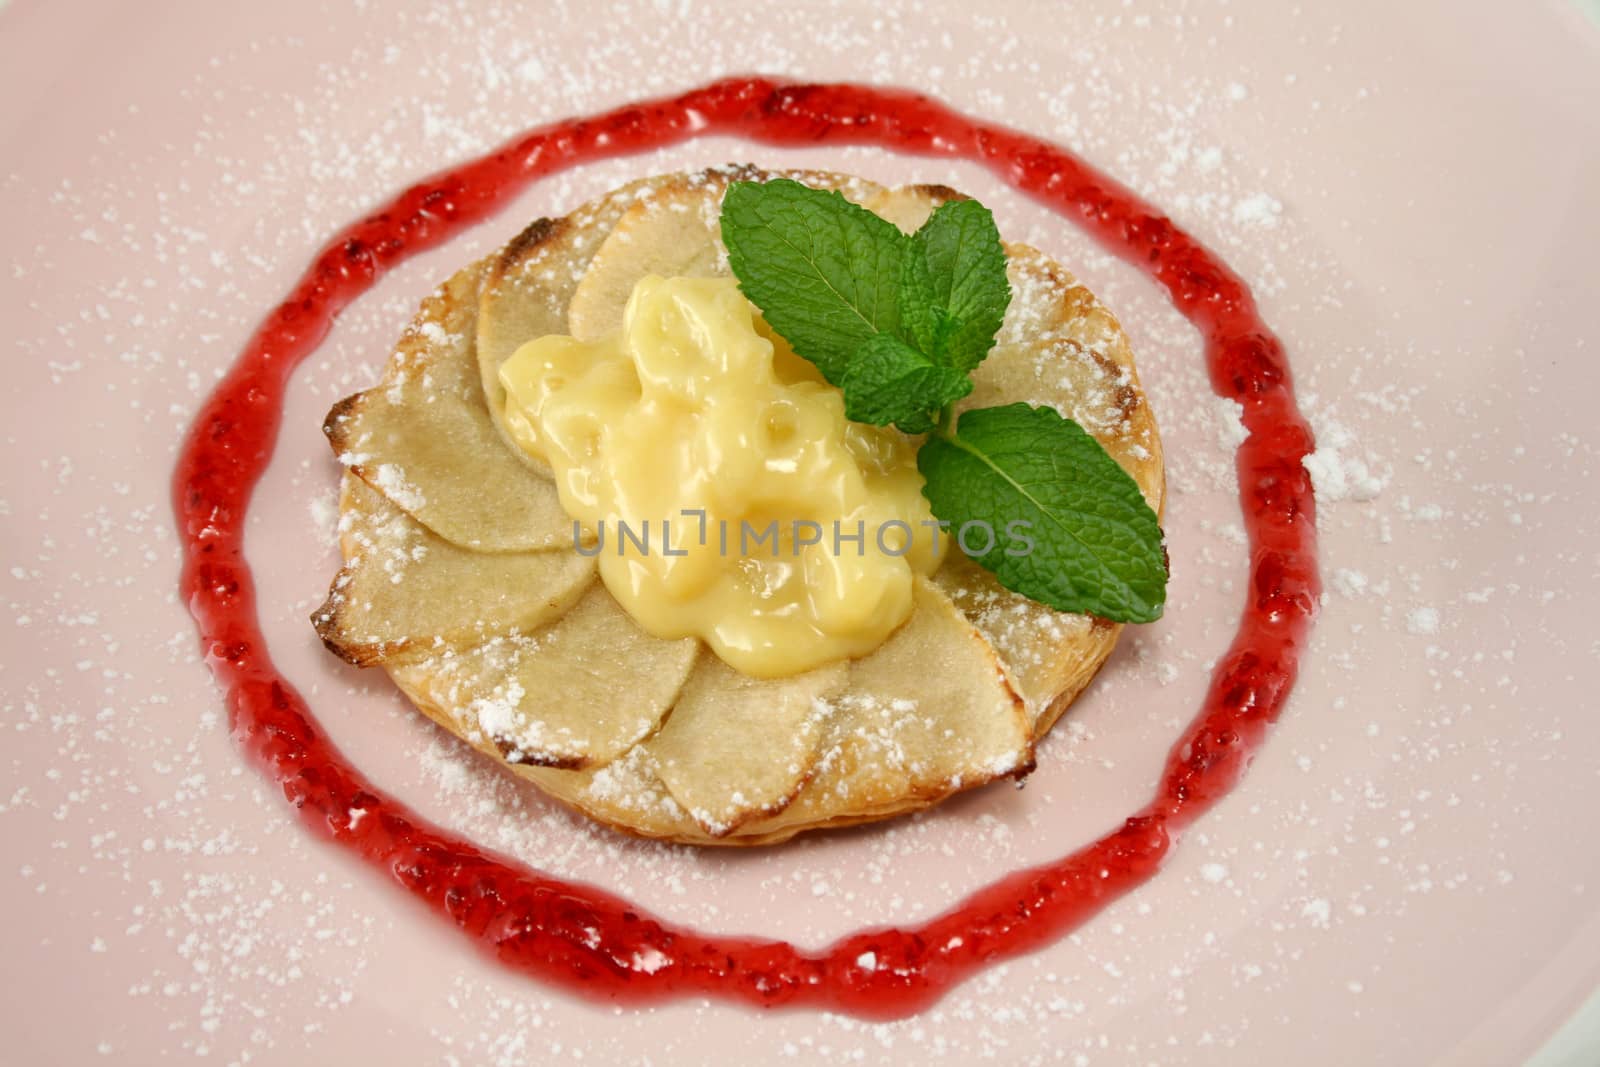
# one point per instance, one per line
(672, 233)
(405, 588)
(425, 439)
(625, 793)
(908, 206)
(928, 714)
(577, 693)
(737, 748)
(675, 230)
(1049, 655)
(529, 283)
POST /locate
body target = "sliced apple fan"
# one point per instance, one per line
(460, 577)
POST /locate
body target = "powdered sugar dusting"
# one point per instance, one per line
(392, 480)
(1340, 475)
(156, 871)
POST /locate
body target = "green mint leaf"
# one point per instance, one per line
(1096, 543)
(963, 273)
(922, 316)
(888, 381)
(824, 272)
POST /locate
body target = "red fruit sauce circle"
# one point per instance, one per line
(593, 941)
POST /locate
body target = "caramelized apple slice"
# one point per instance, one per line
(908, 206)
(736, 747)
(673, 230)
(578, 693)
(625, 792)
(1049, 655)
(928, 714)
(424, 438)
(405, 588)
(529, 284)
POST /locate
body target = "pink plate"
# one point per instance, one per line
(1407, 874)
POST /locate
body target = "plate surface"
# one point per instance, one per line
(1407, 875)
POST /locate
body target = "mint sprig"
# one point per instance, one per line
(898, 323)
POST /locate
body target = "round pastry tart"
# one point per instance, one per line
(605, 367)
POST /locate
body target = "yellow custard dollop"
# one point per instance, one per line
(714, 475)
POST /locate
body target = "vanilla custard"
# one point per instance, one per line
(713, 474)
